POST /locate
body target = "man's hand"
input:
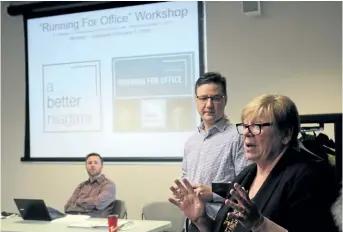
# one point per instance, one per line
(205, 191)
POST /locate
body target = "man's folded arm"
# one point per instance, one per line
(101, 201)
(73, 198)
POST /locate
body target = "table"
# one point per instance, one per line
(16, 224)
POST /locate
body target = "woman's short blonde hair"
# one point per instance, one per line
(280, 110)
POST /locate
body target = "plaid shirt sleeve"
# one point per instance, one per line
(239, 158)
(184, 164)
(236, 149)
(106, 196)
(71, 202)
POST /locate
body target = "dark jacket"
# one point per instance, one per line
(297, 194)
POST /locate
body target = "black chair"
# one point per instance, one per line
(120, 209)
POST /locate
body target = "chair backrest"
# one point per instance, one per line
(120, 209)
(165, 211)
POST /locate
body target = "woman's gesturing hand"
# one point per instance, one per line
(189, 202)
(245, 210)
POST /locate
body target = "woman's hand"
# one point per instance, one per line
(189, 202)
(246, 211)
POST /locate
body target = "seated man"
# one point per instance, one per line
(94, 197)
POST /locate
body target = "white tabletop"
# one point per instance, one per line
(16, 224)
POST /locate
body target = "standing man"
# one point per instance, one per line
(94, 197)
(214, 154)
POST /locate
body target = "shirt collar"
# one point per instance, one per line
(99, 179)
(220, 125)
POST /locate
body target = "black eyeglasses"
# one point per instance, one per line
(254, 129)
(215, 98)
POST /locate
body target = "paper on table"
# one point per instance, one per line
(11, 230)
(9, 216)
(71, 219)
(93, 224)
(129, 226)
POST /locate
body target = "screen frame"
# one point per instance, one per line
(79, 9)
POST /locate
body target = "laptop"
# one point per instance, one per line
(35, 209)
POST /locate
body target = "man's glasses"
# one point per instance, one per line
(254, 129)
(215, 98)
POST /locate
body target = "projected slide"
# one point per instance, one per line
(156, 95)
(77, 105)
(119, 82)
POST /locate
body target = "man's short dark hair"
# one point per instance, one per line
(212, 78)
(94, 154)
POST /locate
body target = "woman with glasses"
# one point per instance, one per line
(285, 189)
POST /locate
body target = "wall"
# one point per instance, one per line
(294, 48)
